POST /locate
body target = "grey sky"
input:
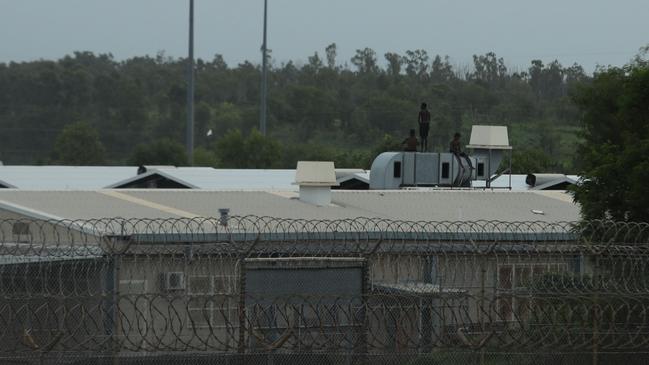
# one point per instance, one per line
(589, 32)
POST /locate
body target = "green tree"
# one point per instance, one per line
(262, 152)
(255, 151)
(320, 102)
(330, 53)
(395, 61)
(416, 62)
(205, 157)
(365, 61)
(78, 144)
(163, 151)
(387, 144)
(613, 155)
(529, 161)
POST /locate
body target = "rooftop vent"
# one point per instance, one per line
(488, 144)
(540, 179)
(491, 137)
(315, 179)
(224, 216)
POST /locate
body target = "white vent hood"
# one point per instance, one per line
(315, 179)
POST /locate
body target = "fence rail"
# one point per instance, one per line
(260, 285)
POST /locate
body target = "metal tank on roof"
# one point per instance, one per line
(394, 170)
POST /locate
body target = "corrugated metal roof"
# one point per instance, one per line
(417, 205)
(99, 177)
(461, 205)
(222, 179)
(63, 177)
(518, 182)
(67, 204)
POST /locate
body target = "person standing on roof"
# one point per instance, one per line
(456, 149)
(424, 126)
(410, 143)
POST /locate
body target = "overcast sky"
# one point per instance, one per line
(589, 32)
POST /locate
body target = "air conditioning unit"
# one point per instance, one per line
(170, 281)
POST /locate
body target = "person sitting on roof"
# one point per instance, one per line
(410, 143)
(456, 149)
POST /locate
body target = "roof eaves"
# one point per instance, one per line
(552, 183)
(176, 179)
(40, 215)
(122, 183)
(4, 184)
(28, 212)
(352, 177)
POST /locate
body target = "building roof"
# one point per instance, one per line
(63, 177)
(518, 182)
(221, 179)
(101, 177)
(416, 205)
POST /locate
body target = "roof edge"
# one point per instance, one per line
(151, 173)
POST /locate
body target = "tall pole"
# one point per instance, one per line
(264, 76)
(190, 88)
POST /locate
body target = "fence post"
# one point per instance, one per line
(115, 312)
(242, 307)
(482, 295)
(596, 311)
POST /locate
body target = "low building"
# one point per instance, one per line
(164, 279)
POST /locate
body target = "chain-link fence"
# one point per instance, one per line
(262, 290)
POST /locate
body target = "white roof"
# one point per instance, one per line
(221, 179)
(63, 177)
(518, 182)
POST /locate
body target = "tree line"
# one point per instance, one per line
(134, 111)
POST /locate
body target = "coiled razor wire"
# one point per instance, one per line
(164, 285)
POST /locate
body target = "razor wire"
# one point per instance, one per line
(166, 285)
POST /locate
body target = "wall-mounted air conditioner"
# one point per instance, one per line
(170, 281)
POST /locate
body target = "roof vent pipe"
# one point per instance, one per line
(315, 179)
(224, 216)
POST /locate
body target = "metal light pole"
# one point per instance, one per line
(190, 88)
(264, 76)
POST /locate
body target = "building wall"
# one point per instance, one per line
(201, 313)
(17, 228)
(46, 303)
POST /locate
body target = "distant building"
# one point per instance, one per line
(178, 290)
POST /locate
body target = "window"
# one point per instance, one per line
(21, 232)
(133, 287)
(445, 170)
(514, 282)
(480, 169)
(396, 167)
(134, 307)
(210, 303)
(223, 284)
(200, 285)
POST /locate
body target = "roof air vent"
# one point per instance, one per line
(224, 216)
(315, 179)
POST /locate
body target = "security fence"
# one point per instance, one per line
(263, 290)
